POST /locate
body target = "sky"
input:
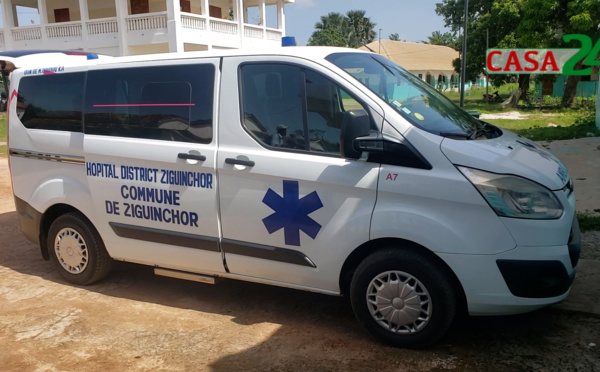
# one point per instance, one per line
(413, 20)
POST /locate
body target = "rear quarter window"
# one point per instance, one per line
(171, 103)
(51, 102)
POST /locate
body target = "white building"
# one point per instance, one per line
(128, 27)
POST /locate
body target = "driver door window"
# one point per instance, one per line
(293, 109)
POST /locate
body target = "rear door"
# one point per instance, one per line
(150, 152)
(291, 207)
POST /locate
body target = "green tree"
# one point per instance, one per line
(351, 30)
(394, 36)
(500, 18)
(522, 24)
(546, 21)
(332, 20)
(361, 29)
(330, 37)
(437, 38)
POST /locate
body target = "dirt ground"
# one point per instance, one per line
(136, 321)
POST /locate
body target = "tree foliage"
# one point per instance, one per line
(438, 38)
(520, 24)
(394, 36)
(352, 30)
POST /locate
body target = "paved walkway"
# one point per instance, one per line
(582, 158)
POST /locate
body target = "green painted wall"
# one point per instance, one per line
(584, 88)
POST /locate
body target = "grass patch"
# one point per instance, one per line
(569, 123)
(588, 222)
(577, 125)
(559, 133)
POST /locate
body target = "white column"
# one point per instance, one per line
(238, 16)
(8, 22)
(85, 17)
(174, 26)
(263, 17)
(204, 8)
(43, 20)
(281, 17)
(122, 12)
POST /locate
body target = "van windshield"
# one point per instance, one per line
(417, 101)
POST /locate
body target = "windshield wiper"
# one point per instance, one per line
(455, 134)
(484, 129)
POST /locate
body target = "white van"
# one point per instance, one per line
(322, 169)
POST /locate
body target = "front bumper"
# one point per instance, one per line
(542, 279)
(523, 279)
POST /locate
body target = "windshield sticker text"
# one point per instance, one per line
(44, 70)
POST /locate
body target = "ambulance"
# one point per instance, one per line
(321, 169)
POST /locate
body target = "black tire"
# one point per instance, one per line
(81, 258)
(419, 325)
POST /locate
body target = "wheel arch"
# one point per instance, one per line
(48, 217)
(361, 252)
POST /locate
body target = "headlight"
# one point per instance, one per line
(512, 196)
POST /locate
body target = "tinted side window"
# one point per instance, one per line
(172, 103)
(51, 102)
(287, 107)
(273, 104)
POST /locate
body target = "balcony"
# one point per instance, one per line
(141, 29)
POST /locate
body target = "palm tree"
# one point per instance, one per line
(361, 29)
(351, 30)
(331, 21)
(437, 38)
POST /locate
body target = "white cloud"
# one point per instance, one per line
(305, 3)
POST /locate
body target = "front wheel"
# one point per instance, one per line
(77, 251)
(403, 297)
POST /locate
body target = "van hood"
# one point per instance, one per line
(508, 154)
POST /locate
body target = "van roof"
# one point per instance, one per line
(311, 52)
(12, 60)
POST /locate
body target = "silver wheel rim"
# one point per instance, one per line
(399, 302)
(71, 250)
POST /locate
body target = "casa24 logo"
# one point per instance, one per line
(546, 61)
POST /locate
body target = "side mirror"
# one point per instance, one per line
(355, 124)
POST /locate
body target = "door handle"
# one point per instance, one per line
(233, 161)
(184, 155)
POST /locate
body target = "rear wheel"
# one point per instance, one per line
(77, 251)
(403, 297)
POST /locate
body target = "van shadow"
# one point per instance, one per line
(316, 332)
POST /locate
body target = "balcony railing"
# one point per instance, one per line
(255, 32)
(140, 22)
(193, 21)
(62, 30)
(26, 33)
(102, 26)
(273, 34)
(96, 29)
(224, 27)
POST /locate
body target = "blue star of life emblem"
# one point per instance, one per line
(291, 213)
